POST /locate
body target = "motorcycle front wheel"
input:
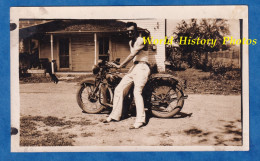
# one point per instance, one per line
(166, 99)
(87, 101)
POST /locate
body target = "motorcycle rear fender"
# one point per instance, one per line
(175, 80)
(87, 81)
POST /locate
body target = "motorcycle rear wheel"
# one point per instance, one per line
(88, 105)
(166, 99)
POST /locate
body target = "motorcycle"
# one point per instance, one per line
(163, 94)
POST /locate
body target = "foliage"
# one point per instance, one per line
(205, 29)
(214, 29)
(220, 68)
(175, 59)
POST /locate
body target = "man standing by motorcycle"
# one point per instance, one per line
(138, 74)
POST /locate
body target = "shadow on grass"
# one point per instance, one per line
(30, 135)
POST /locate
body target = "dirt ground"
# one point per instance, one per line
(50, 116)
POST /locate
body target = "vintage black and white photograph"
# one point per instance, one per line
(86, 80)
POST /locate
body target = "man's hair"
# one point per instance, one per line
(129, 24)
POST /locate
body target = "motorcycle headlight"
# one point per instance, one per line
(95, 69)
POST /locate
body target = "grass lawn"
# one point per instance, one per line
(202, 82)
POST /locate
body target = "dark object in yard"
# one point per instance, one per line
(14, 131)
(47, 65)
(54, 78)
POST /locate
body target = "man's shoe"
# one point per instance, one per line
(136, 126)
(110, 120)
(107, 120)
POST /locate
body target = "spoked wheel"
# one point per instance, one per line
(166, 100)
(88, 101)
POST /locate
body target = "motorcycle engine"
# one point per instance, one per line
(113, 79)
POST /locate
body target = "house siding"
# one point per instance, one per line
(45, 48)
(82, 52)
(157, 31)
(82, 47)
(121, 49)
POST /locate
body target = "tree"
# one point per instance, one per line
(214, 29)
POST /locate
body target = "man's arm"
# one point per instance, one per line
(127, 60)
(138, 47)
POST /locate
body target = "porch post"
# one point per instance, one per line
(52, 58)
(95, 41)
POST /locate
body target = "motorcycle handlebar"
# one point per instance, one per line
(109, 64)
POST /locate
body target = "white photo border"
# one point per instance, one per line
(126, 12)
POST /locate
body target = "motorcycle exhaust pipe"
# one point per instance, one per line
(107, 104)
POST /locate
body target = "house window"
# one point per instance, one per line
(104, 48)
(64, 52)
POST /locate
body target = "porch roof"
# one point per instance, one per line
(73, 26)
(78, 32)
(92, 26)
(27, 23)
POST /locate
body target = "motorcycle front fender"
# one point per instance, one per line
(87, 81)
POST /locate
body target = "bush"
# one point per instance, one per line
(153, 68)
(233, 75)
(175, 59)
(220, 68)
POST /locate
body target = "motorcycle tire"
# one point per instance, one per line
(178, 103)
(87, 105)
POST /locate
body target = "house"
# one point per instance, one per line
(76, 45)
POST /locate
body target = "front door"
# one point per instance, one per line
(64, 53)
(103, 48)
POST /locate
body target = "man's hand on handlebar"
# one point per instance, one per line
(114, 65)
